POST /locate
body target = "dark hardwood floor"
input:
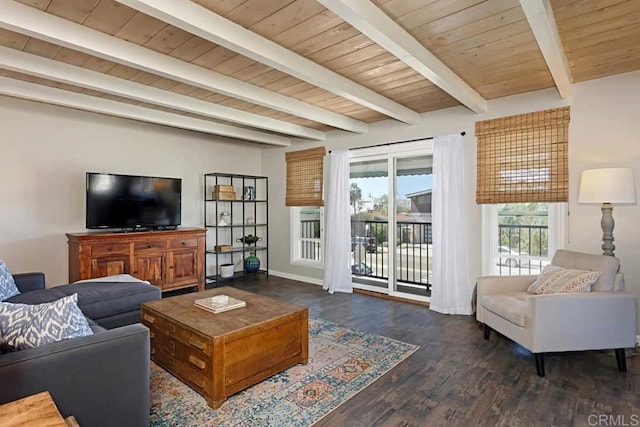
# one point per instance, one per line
(458, 378)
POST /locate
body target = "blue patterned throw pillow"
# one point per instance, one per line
(8, 286)
(24, 326)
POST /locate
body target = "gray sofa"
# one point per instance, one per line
(102, 379)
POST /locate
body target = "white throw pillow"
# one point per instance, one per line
(558, 280)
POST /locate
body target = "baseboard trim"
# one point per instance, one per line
(390, 297)
(299, 278)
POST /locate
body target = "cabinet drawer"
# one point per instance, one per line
(183, 243)
(149, 246)
(110, 249)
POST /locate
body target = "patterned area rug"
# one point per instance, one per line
(342, 362)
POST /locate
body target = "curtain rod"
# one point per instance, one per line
(463, 133)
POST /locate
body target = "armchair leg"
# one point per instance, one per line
(540, 363)
(487, 331)
(621, 359)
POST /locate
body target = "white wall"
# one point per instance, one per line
(604, 131)
(45, 152)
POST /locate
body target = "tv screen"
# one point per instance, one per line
(132, 202)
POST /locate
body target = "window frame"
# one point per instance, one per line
(295, 253)
(557, 219)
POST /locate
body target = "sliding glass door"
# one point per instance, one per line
(369, 196)
(413, 254)
(391, 220)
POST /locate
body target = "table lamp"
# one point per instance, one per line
(607, 186)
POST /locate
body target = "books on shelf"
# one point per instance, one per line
(219, 303)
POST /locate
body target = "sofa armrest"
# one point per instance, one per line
(487, 285)
(27, 282)
(585, 321)
(503, 284)
(102, 379)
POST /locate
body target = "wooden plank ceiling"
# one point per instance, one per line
(488, 44)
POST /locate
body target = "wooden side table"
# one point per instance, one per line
(36, 410)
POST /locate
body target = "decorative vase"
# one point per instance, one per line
(252, 263)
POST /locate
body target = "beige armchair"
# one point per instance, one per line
(604, 318)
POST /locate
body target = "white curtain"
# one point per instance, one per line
(337, 248)
(451, 291)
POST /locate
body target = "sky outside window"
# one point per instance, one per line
(377, 186)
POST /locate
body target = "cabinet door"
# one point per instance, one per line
(110, 265)
(151, 267)
(183, 267)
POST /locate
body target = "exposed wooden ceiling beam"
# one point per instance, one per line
(32, 22)
(49, 95)
(543, 24)
(375, 24)
(200, 21)
(58, 71)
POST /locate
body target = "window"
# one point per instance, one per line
(523, 180)
(521, 238)
(306, 236)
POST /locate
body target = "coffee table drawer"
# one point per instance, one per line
(167, 345)
(196, 378)
(191, 339)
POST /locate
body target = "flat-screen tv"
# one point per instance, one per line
(132, 202)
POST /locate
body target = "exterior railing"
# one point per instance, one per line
(523, 249)
(310, 240)
(413, 252)
(526, 249)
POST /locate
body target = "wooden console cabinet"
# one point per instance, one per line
(171, 259)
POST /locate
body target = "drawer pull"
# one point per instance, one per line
(153, 350)
(196, 362)
(149, 318)
(152, 334)
(196, 343)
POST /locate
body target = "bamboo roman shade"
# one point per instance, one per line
(524, 158)
(304, 177)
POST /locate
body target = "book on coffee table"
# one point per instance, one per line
(219, 303)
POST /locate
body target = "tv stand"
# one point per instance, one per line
(147, 229)
(169, 259)
(136, 230)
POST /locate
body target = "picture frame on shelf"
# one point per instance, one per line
(249, 193)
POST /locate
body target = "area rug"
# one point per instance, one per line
(342, 362)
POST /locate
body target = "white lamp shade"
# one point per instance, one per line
(608, 185)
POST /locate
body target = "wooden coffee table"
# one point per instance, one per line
(221, 354)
